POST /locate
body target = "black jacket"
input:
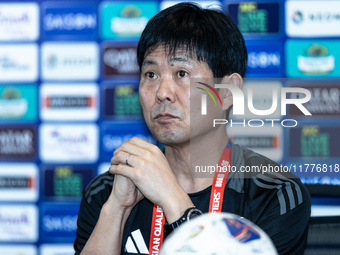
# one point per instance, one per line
(276, 202)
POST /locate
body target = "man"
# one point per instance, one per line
(121, 211)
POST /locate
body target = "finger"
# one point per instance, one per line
(121, 157)
(133, 148)
(141, 143)
(124, 170)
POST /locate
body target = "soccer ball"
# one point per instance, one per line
(217, 234)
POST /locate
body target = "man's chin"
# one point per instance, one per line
(171, 138)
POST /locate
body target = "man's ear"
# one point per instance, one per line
(226, 96)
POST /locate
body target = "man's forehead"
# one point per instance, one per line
(179, 55)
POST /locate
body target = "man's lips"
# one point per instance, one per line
(164, 116)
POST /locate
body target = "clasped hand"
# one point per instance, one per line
(146, 174)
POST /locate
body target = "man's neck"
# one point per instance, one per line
(185, 159)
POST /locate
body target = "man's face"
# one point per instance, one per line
(164, 92)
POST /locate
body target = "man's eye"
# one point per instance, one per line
(182, 73)
(151, 75)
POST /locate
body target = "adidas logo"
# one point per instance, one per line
(135, 243)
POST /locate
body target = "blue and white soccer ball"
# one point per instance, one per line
(217, 234)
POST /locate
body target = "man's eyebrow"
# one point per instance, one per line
(149, 62)
(182, 59)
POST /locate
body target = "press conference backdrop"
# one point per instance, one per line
(69, 97)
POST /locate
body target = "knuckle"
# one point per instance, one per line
(154, 149)
(117, 150)
(138, 174)
(119, 154)
(122, 146)
(134, 139)
(143, 163)
(148, 154)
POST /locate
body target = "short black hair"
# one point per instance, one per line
(208, 33)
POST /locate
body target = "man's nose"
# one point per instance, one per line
(166, 90)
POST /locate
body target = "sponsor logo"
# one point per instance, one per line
(256, 18)
(69, 102)
(297, 17)
(130, 16)
(316, 60)
(325, 101)
(314, 141)
(122, 101)
(320, 19)
(19, 21)
(266, 140)
(59, 222)
(18, 102)
(17, 142)
(18, 62)
(125, 20)
(18, 223)
(120, 60)
(114, 135)
(69, 20)
(65, 224)
(64, 182)
(70, 61)
(18, 182)
(56, 249)
(18, 250)
(309, 58)
(69, 143)
(264, 60)
(137, 246)
(12, 104)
